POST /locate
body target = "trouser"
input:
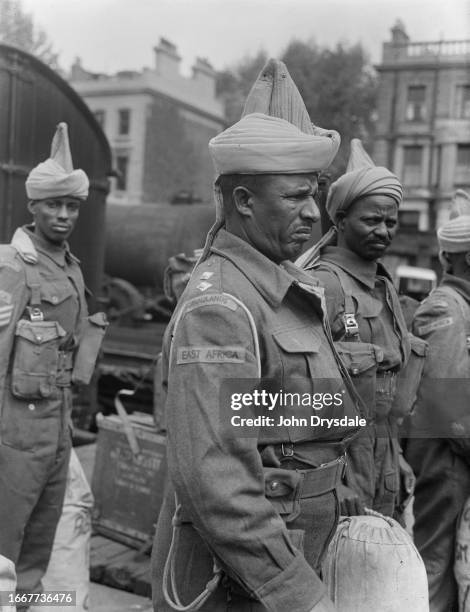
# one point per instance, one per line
(373, 470)
(311, 523)
(32, 487)
(442, 487)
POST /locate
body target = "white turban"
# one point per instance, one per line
(56, 177)
(454, 236)
(260, 144)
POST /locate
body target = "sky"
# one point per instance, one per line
(112, 35)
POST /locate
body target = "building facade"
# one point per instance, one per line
(423, 134)
(158, 123)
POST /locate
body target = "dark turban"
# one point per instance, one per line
(366, 181)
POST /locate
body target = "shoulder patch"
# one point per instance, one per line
(5, 314)
(210, 354)
(439, 324)
(214, 299)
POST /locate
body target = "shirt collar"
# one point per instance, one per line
(60, 254)
(459, 284)
(363, 270)
(271, 280)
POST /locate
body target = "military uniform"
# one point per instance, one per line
(249, 503)
(440, 462)
(43, 322)
(375, 345)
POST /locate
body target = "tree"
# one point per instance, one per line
(17, 28)
(338, 87)
(233, 84)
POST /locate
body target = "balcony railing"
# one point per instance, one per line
(434, 50)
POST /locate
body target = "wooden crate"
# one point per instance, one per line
(128, 488)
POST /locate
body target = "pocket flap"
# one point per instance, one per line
(298, 340)
(39, 331)
(99, 319)
(56, 292)
(359, 356)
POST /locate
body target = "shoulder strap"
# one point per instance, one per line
(33, 282)
(351, 327)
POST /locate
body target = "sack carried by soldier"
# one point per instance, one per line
(372, 564)
(91, 337)
(409, 378)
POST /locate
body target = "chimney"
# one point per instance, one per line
(167, 59)
(204, 75)
(399, 35)
(77, 72)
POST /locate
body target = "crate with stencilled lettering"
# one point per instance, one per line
(128, 478)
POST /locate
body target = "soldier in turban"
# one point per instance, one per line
(255, 505)
(47, 341)
(439, 447)
(366, 321)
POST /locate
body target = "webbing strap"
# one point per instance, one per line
(349, 318)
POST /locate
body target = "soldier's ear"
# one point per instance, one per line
(31, 207)
(467, 258)
(243, 200)
(340, 217)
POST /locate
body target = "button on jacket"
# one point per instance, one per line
(242, 317)
(373, 457)
(442, 464)
(34, 433)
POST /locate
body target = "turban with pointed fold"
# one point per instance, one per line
(260, 144)
(56, 177)
(362, 178)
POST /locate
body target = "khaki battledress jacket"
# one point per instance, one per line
(374, 355)
(260, 502)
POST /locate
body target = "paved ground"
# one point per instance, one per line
(105, 599)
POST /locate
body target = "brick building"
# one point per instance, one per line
(423, 133)
(158, 123)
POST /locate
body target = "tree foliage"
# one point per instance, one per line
(233, 84)
(17, 28)
(338, 86)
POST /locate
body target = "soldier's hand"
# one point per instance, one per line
(407, 476)
(324, 605)
(350, 502)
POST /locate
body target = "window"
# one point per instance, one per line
(100, 116)
(409, 219)
(462, 171)
(412, 165)
(122, 164)
(462, 99)
(416, 103)
(124, 121)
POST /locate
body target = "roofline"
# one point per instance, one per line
(152, 92)
(61, 84)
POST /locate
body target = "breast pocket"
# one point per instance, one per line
(297, 346)
(55, 292)
(361, 360)
(35, 359)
